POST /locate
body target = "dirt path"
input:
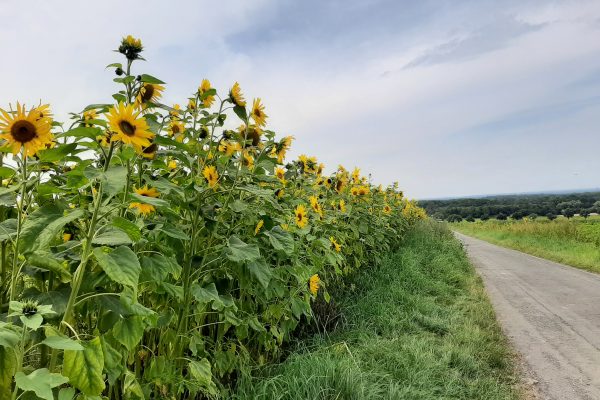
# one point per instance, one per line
(550, 312)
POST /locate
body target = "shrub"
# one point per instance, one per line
(150, 251)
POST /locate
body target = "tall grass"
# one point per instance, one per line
(575, 242)
(418, 327)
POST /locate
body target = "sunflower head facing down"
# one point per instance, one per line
(335, 245)
(236, 96)
(301, 216)
(207, 99)
(128, 126)
(145, 209)
(148, 93)
(313, 283)
(27, 131)
(258, 113)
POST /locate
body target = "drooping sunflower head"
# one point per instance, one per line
(148, 93)
(128, 126)
(301, 216)
(175, 112)
(236, 96)
(143, 208)
(192, 105)
(204, 132)
(258, 113)
(29, 131)
(249, 135)
(211, 175)
(314, 283)
(258, 227)
(131, 47)
(342, 206)
(356, 175)
(203, 91)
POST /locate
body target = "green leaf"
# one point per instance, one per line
(129, 331)
(66, 393)
(32, 321)
(8, 229)
(6, 172)
(47, 261)
(174, 232)
(84, 368)
(58, 153)
(43, 225)
(239, 251)
(8, 337)
(62, 343)
(201, 374)
(116, 177)
(131, 387)
(241, 112)
(281, 240)
(150, 79)
(112, 360)
(205, 294)
(261, 271)
(41, 381)
(121, 264)
(8, 366)
(149, 200)
(131, 229)
(112, 237)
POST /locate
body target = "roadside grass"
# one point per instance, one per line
(575, 242)
(417, 327)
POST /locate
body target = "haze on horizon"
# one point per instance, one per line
(448, 98)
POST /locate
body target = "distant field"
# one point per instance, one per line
(574, 241)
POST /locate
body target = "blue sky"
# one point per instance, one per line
(448, 98)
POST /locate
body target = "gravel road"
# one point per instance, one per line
(551, 314)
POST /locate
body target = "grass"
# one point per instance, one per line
(417, 327)
(575, 242)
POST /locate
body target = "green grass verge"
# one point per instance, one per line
(417, 327)
(569, 244)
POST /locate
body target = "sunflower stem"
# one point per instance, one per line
(85, 256)
(20, 209)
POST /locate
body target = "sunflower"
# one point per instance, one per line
(131, 47)
(279, 193)
(342, 206)
(211, 175)
(145, 209)
(258, 113)
(314, 203)
(172, 164)
(66, 237)
(236, 96)
(192, 105)
(356, 175)
(258, 227)
(175, 111)
(148, 152)
(209, 98)
(335, 245)
(387, 209)
(148, 93)
(175, 128)
(281, 148)
(247, 133)
(309, 164)
(248, 159)
(88, 116)
(128, 127)
(314, 283)
(280, 174)
(26, 130)
(301, 216)
(228, 148)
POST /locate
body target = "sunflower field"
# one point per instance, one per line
(157, 252)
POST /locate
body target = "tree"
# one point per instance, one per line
(501, 216)
(551, 216)
(454, 218)
(585, 212)
(485, 217)
(517, 215)
(532, 216)
(470, 219)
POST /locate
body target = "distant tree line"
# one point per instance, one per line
(514, 206)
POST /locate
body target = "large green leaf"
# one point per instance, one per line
(8, 229)
(112, 237)
(112, 360)
(131, 229)
(132, 390)
(62, 343)
(120, 264)
(47, 261)
(43, 225)
(116, 177)
(59, 152)
(281, 240)
(128, 331)
(261, 271)
(84, 368)
(239, 251)
(41, 381)
(201, 375)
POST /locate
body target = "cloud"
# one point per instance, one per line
(447, 97)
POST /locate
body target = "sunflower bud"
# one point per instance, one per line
(131, 47)
(119, 71)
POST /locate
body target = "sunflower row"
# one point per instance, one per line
(155, 251)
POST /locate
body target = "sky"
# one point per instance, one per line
(449, 98)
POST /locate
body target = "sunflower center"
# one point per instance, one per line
(147, 93)
(127, 128)
(23, 131)
(175, 129)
